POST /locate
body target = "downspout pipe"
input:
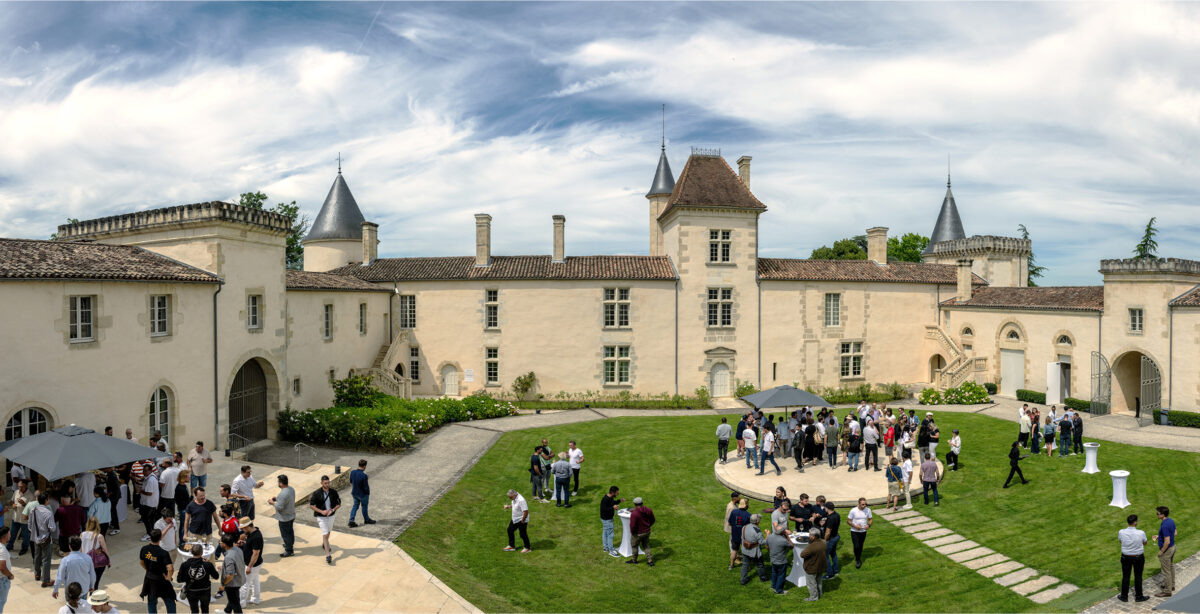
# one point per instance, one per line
(216, 388)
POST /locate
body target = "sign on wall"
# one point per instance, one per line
(469, 375)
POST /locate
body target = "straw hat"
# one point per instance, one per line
(245, 521)
(98, 598)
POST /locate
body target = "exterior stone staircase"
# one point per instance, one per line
(387, 381)
(960, 365)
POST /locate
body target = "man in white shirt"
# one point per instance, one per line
(768, 452)
(150, 496)
(575, 455)
(860, 519)
(170, 533)
(749, 439)
(1024, 428)
(1133, 558)
(906, 469)
(519, 520)
(871, 441)
(167, 478)
(242, 489)
(17, 474)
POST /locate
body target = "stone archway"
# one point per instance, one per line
(1136, 384)
(937, 362)
(252, 394)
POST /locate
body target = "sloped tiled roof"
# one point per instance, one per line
(310, 280)
(513, 267)
(34, 259)
(709, 181)
(792, 269)
(1049, 298)
(1191, 298)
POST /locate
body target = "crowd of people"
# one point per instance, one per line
(1053, 431)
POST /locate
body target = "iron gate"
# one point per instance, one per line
(1101, 385)
(248, 406)
(1151, 399)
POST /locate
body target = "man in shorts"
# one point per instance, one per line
(325, 503)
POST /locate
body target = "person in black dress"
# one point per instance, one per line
(1014, 457)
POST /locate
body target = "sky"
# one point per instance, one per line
(1080, 121)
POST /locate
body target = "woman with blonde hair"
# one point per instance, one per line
(95, 547)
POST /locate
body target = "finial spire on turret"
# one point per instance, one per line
(947, 171)
(664, 181)
(339, 159)
(664, 127)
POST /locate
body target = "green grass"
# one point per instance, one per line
(1059, 524)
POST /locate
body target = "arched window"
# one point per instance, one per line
(160, 412)
(1064, 340)
(1014, 335)
(967, 332)
(26, 422)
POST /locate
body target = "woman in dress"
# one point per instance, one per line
(93, 539)
(1048, 434)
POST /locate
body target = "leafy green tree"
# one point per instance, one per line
(1036, 271)
(1147, 248)
(843, 249)
(295, 249)
(906, 248)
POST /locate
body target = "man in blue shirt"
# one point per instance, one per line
(361, 491)
(738, 519)
(1166, 550)
(75, 567)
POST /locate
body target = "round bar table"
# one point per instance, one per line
(626, 548)
(1090, 450)
(209, 550)
(799, 542)
(1119, 478)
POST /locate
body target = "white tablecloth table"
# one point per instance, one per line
(1119, 478)
(626, 548)
(799, 542)
(1090, 449)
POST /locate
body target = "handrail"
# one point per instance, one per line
(245, 441)
(311, 450)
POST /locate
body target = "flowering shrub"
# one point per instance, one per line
(969, 393)
(930, 396)
(389, 424)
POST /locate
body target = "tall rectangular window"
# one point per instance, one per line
(616, 364)
(616, 307)
(493, 365)
(720, 307)
(253, 303)
(491, 307)
(160, 307)
(414, 364)
(852, 358)
(327, 325)
(408, 311)
(833, 310)
(719, 242)
(81, 318)
(1135, 320)
(362, 318)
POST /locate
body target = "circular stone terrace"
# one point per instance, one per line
(839, 485)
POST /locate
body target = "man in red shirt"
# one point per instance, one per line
(70, 517)
(640, 521)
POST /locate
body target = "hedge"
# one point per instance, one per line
(1078, 404)
(990, 387)
(968, 393)
(1031, 396)
(389, 424)
(678, 402)
(880, 393)
(1183, 418)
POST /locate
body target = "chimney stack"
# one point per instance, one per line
(877, 244)
(965, 279)
(744, 170)
(370, 242)
(560, 223)
(483, 239)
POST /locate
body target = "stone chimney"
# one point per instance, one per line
(877, 244)
(965, 279)
(560, 223)
(483, 239)
(744, 170)
(370, 242)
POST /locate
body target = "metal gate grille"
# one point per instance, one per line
(248, 406)
(1101, 385)
(1151, 399)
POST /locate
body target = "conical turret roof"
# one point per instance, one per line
(339, 217)
(948, 226)
(664, 181)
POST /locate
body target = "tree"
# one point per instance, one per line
(70, 220)
(906, 248)
(1036, 271)
(295, 249)
(1148, 247)
(843, 249)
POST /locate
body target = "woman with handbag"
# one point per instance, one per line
(96, 547)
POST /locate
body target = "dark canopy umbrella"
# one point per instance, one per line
(71, 449)
(784, 396)
(1186, 600)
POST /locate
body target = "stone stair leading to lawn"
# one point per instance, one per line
(1018, 578)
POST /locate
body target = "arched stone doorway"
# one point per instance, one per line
(1136, 384)
(400, 369)
(936, 363)
(248, 405)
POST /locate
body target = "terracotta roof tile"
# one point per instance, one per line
(792, 269)
(309, 280)
(1191, 298)
(1051, 298)
(513, 267)
(709, 181)
(34, 259)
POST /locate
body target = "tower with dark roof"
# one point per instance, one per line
(659, 194)
(949, 225)
(336, 236)
(1002, 261)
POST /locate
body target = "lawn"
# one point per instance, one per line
(1059, 524)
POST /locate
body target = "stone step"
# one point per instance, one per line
(1036, 584)
(973, 553)
(1019, 575)
(924, 526)
(894, 516)
(1051, 594)
(942, 541)
(956, 547)
(999, 569)
(932, 534)
(991, 559)
(904, 522)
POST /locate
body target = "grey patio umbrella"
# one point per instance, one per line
(68, 450)
(784, 396)
(1186, 600)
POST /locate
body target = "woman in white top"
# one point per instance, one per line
(93, 539)
(76, 604)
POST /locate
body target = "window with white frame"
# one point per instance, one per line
(833, 309)
(492, 357)
(296, 386)
(414, 364)
(720, 307)
(362, 318)
(408, 311)
(719, 245)
(616, 307)
(852, 358)
(253, 306)
(160, 412)
(327, 323)
(81, 318)
(160, 308)
(616, 364)
(491, 299)
(1135, 319)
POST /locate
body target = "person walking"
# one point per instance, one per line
(562, 480)
(750, 543)
(608, 508)
(242, 489)
(99, 603)
(815, 565)
(159, 571)
(576, 462)
(116, 499)
(737, 521)
(196, 575)
(198, 460)
(1014, 457)
(724, 431)
(96, 548)
(1023, 429)
(860, 519)
(737, 435)
(252, 552)
(956, 449)
(833, 522)
(41, 528)
(75, 567)
(749, 439)
(768, 450)
(519, 521)
(1048, 436)
(75, 601)
(1166, 550)
(853, 450)
(324, 504)
(640, 522)
(6, 574)
(285, 514)
(360, 491)
(1133, 542)
(930, 478)
(233, 574)
(895, 482)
